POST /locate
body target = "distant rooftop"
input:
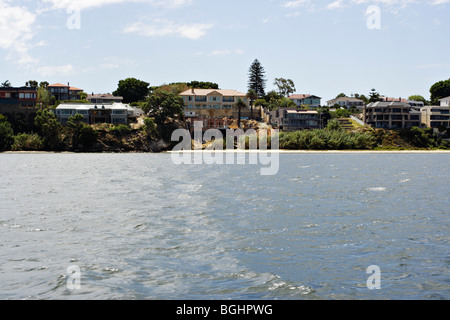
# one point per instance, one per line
(206, 92)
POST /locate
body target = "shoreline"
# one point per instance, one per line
(244, 151)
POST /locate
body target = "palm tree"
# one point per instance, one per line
(240, 104)
(252, 96)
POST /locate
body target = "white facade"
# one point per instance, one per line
(116, 113)
(445, 102)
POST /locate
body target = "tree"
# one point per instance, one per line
(6, 134)
(257, 80)
(240, 105)
(6, 84)
(252, 96)
(49, 129)
(202, 85)
(341, 95)
(132, 90)
(439, 90)
(83, 95)
(44, 96)
(44, 84)
(418, 98)
(168, 111)
(361, 97)
(374, 96)
(31, 84)
(286, 87)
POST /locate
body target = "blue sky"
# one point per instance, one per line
(326, 47)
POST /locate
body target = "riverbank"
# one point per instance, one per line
(245, 151)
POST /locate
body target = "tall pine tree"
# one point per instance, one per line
(257, 80)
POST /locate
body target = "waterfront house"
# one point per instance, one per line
(436, 116)
(346, 102)
(64, 92)
(392, 115)
(16, 100)
(115, 113)
(310, 101)
(445, 102)
(214, 107)
(104, 98)
(287, 119)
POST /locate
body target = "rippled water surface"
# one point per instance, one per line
(140, 227)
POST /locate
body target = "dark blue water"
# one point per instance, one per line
(140, 227)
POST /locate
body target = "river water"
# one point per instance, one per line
(137, 226)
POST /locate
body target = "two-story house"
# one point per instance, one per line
(214, 107)
(293, 119)
(64, 92)
(311, 101)
(346, 102)
(18, 100)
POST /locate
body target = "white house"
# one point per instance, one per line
(115, 113)
(445, 102)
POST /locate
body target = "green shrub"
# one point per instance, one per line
(121, 129)
(27, 142)
(6, 134)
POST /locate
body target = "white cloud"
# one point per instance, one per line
(86, 4)
(226, 52)
(17, 31)
(295, 3)
(166, 28)
(48, 71)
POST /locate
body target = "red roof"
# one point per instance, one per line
(58, 85)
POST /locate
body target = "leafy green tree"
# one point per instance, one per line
(334, 125)
(44, 97)
(168, 111)
(374, 96)
(87, 136)
(31, 84)
(44, 84)
(132, 90)
(439, 90)
(286, 87)
(361, 97)
(6, 134)
(83, 96)
(341, 95)
(257, 79)
(418, 98)
(49, 129)
(202, 85)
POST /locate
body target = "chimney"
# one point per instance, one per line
(193, 90)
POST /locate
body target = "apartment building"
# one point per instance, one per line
(214, 107)
(392, 115)
(436, 116)
(116, 113)
(18, 100)
(293, 119)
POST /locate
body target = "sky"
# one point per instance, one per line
(327, 47)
